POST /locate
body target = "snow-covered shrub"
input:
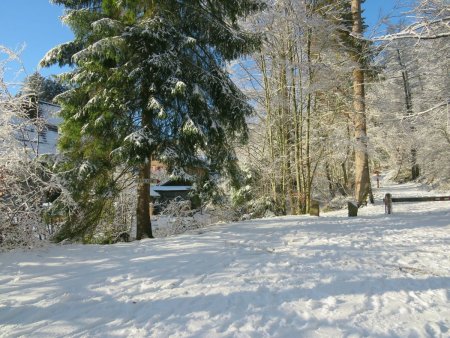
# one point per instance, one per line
(120, 226)
(105, 220)
(220, 213)
(176, 217)
(261, 207)
(27, 184)
(247, 200)
(337, 203)
(26, 188)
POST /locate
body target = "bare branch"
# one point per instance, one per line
(428, 30)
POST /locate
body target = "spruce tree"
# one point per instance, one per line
(45, 89)
(149, 79)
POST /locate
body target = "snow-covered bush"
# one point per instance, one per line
(27, 185)
(102, 215)
(178, 216)
(338, 202)
(248, 200)
(175, 218)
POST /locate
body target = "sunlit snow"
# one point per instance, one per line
(375, 275)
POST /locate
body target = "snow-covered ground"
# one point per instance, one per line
(333, 276)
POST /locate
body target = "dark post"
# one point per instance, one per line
(314, 208)
(388, 204)
(352, 209)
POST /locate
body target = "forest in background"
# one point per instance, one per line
(303, 135)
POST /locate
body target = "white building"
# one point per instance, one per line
(40, 133)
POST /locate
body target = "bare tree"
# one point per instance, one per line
(432, 21)
(26, 180)
(300, 141)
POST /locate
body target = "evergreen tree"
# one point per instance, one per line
(44, 88)
(149, 80)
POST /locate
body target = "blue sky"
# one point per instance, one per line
(374, 10)
(36, 24)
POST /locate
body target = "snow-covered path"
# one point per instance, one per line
(333, 276)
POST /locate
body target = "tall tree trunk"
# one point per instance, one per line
(309, 108)
(362, 177)
(415, 171)
(143, 222)
(282, 138)
(269, 128)
(297, 135)
(330, 180)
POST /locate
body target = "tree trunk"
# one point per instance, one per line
(415, 171)
(297, 135)
(330, 180)
(309, 107)
(143, 222)
(362, 177)
(269, 129)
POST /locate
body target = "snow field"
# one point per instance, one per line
(297, 276)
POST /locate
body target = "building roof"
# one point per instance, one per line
(171, 188)
(154, 189)
(153, 193)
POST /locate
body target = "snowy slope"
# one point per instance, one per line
(375, 275)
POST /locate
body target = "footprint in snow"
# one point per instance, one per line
(436, 329)
(376, 303)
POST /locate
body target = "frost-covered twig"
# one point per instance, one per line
(26, 180)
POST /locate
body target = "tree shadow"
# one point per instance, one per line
(244, 279)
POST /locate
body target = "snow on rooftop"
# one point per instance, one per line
(171, 187)
(153, 193)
